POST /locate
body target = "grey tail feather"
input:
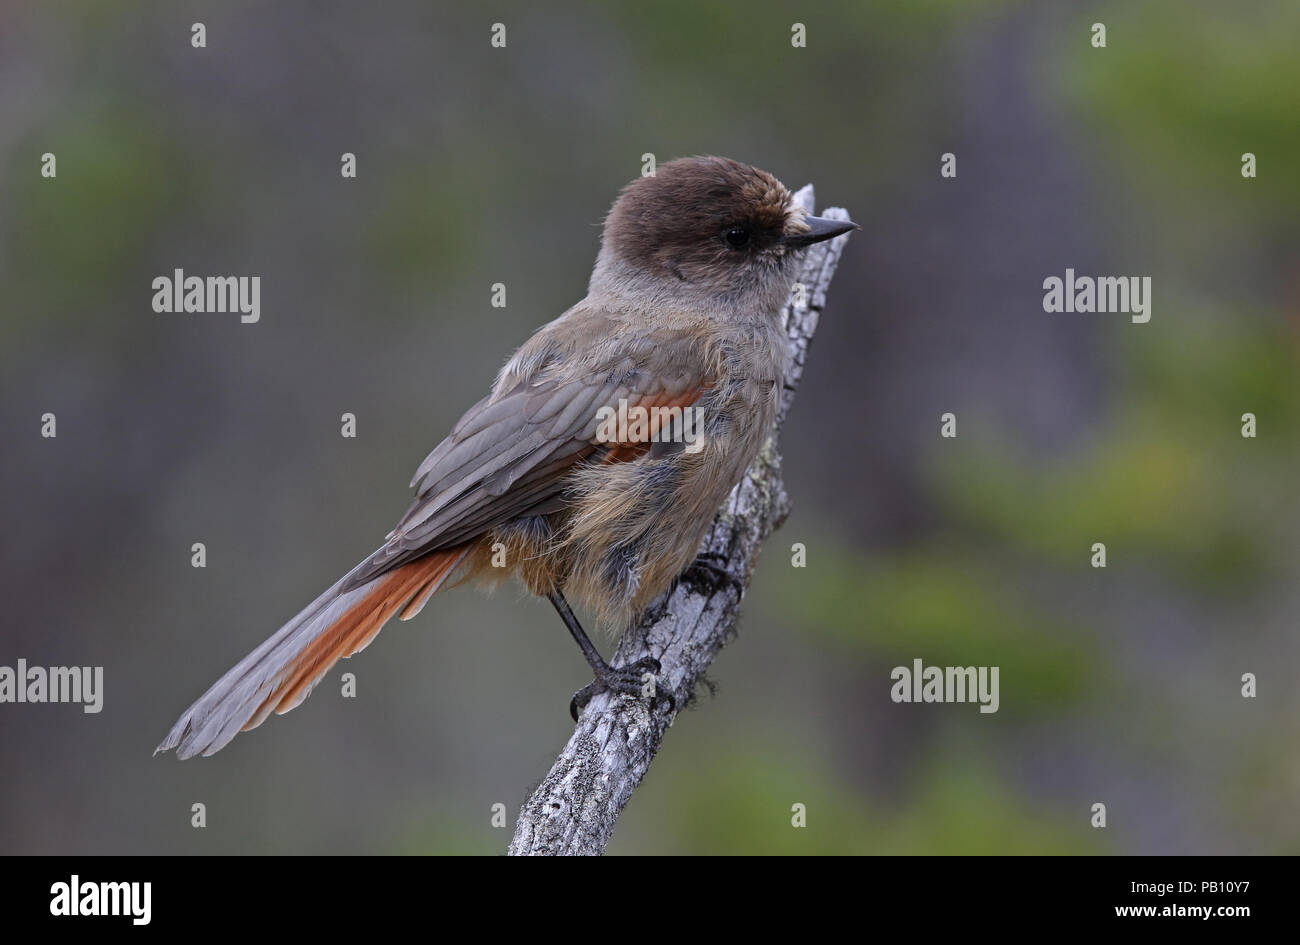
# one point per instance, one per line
(233, 700)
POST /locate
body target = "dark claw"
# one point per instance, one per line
(580, 700)
(647, 665)
(625, 680)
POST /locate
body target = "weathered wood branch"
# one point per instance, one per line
(574, 809)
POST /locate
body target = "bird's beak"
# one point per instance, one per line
(819, 228)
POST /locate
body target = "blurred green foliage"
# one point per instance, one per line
(131, 192)
(944, 605)
(1185, 88)
(958, 806)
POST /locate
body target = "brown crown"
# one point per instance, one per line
(674, 221)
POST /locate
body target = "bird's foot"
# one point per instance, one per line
(634, 679)
(708, 573)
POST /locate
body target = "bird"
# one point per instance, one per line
(680, 330)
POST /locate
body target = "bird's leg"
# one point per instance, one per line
(628, 680)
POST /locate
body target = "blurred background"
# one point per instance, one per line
(478, 165)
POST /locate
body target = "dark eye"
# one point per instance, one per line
(736, 236)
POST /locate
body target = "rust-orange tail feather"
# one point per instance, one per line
(280, 673)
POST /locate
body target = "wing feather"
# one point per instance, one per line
(512, 453)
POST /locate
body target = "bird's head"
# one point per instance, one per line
(710, 225)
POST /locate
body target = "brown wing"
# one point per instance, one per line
(510, 456)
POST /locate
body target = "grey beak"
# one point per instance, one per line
(820, 228)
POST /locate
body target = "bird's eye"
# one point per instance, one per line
(736, 236)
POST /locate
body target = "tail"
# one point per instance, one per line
(280, 673)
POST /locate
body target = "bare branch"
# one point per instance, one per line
(574, 809)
